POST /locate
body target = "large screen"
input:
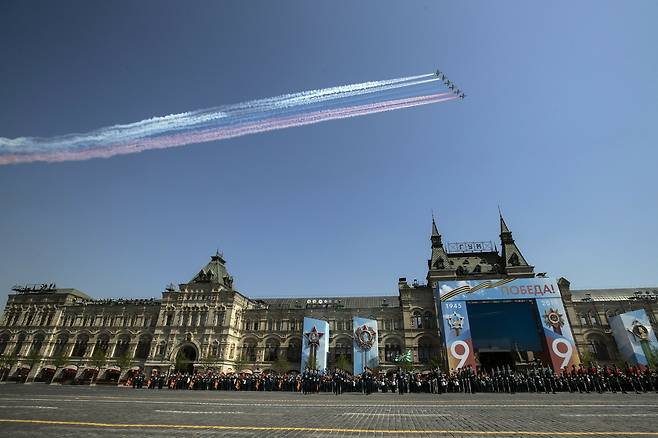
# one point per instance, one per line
(508, 326)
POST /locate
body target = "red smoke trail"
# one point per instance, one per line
(226, 132)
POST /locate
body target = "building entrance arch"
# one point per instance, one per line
(186, 355)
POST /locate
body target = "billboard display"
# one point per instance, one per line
(454, 296)
(457, 335)
(315, 344)
(366, 345)
(505, 289)
(635, 338)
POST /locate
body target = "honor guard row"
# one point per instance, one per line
(537, 379)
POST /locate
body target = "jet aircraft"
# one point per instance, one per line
(458, 92)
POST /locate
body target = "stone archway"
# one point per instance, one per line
(186, 356)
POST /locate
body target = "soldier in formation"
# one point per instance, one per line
(535, 379)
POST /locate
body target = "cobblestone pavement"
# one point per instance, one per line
(74, 411)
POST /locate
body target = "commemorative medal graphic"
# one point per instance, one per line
(366, 348)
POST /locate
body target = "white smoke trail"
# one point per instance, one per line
(223, 122)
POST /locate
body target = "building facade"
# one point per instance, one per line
(51, 333)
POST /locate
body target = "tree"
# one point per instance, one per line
(8, 361)
(587, 358)
(406, 366)
(124, 361)
(98, 359)
(435, 362)
(281, 364)
(240, 363)
(33, 359)
(58, 361)
(343, 363)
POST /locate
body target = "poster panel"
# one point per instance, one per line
(315, 344)
(457, 334)
(635, 338)
(557, 332)
(366, 344)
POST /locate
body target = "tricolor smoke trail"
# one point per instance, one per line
(230, 121)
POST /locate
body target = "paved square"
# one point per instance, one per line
(73, 411)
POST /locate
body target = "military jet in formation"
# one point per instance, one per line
(439, 74)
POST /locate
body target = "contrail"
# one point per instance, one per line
(230, 121)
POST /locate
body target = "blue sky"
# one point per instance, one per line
(559, 128)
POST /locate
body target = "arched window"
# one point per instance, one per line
(424, 350)
(102, 344)
(294, 350)
(214, 349)
(597, 346)
(80, 347)
(122, 346)
(594, 318)
(60, 345)
(19, 344)
(343, 348)
(4, 340)
(37, 343)
(391, 351)
(583, 319)
(271, 350)
(249, 351)
(428, 320)
(30, 318)
(417, 320)
(162, 348)
(143, 347)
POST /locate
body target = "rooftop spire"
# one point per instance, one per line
(503, 225)
(513, 260)
(436, 237)
(218, 257)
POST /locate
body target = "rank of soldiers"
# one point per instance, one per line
(501, 379)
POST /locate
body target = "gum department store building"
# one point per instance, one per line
(207, 324)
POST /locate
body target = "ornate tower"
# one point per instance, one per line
(214, 273)
(438, 265)
(513, 261)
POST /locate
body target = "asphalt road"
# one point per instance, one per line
(72, 411)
